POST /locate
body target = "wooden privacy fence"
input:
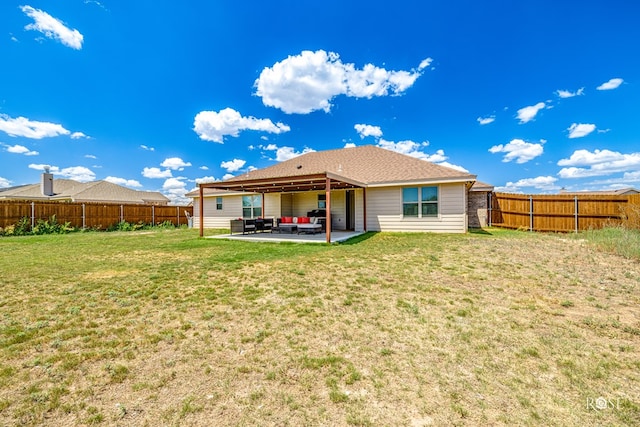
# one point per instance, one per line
(92, 215)
(563, 212)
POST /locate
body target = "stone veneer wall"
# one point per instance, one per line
(478, 209)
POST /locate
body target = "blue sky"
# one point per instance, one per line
(530, 96)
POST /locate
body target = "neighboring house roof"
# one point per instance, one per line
(95, 191)
(481, 187)
(363, 166)
(619, 192)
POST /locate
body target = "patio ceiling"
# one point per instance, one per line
(283, 184)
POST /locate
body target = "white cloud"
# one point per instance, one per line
(270, 147)
(176, 189)
(611, 84)
(227, 176)
(204, 168)
(77, 173)
(414, 149)
(579, 130)
(544, 183)
(214, 126)
(175, 163)
(584, 163)
(425, 63)
(78, 135)
(368, 130)
(90, 156)
(486, 120)
(568, 94)
(156, 173)
(349, 145)
(42, 167)
(29, 128)
(121, 181)
(20, 149)
(518, 150)
(309, 81)
(205, 179)
(4, 183)
(527, 114)
(144, 147)
(286, 153)
(233, 165)
(53, 28)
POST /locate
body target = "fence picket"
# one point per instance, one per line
(563, 213)
(90, 215)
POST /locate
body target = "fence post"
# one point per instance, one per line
(84, 217)
(530, 213)
(153, 214)
(178, 216)
(490, 209)
(575, 209)
(121, 213)
(33, 214)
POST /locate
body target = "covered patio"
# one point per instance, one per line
(290, 184)
(336, 237)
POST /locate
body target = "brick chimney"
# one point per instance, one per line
(46, 183)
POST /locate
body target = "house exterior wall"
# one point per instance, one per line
(231, 209)
(478, 209)
(384, 211)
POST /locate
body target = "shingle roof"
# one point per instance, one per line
(95, 191)
(368, 165)
(481, 187)
(619, 192)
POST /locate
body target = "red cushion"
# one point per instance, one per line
(303, 220)
(287, 219)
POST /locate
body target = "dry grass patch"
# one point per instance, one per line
(499, 328)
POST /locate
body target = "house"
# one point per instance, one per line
(364, 188)
(67, 190)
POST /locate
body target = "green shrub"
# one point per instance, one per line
(52, 226)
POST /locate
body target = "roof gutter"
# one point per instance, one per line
(467, 179)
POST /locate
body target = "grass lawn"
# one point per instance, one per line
(165, 328)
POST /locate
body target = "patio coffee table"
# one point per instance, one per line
(286, 227)
(309, 228)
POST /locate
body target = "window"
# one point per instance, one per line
(322, 201)
(420, 202)
(251, 206)
(410, 201)
(218, 203)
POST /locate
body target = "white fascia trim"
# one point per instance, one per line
(434, 181)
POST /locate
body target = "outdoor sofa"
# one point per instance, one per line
(302, 224)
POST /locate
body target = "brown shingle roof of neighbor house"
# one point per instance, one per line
(95, 191)
(619, 192)
(362, 166)
(480, 186)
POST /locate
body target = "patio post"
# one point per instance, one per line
(201, 209)
(328, 218)
(364, 208)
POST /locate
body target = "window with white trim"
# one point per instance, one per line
(420, 202)
(252, 206)
(218, 203)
